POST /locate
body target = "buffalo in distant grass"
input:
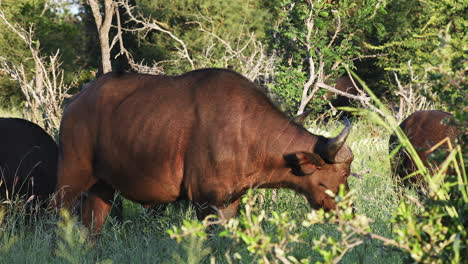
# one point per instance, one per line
(207, 136)
(424, 129)
(343, 84)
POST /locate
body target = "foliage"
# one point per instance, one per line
(10, 96)
(72, 242)
(286, 87)
(266, 238)
(205, 27)
(410, 31)
(45, 88)
(314, 39)
(434, 232)
(55, 29)
(193, 236)
(6, 241)
(447, 74)
(425, 41)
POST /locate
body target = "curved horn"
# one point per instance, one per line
(334, 144)
(300, 118)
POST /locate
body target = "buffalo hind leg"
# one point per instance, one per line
(224, 213)
(116, 211)
(97, 206)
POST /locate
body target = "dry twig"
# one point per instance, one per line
(411, 98)
(46, 90)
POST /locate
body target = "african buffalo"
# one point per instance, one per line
(424, 129)
(208, 136)
(28, 160)
(344, 84)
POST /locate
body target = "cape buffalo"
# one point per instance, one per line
(424, 129)
(28, 163)
(344, 84)
(207, 136)
(28, 160)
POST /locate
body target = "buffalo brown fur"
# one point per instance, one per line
(424, 130)
(344, 84)
(207, 136)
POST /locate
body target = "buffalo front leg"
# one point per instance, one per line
(97, 206)
(224, 212)
(73, 178)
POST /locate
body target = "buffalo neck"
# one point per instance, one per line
(289, 138)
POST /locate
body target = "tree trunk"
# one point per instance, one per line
(103, 28)
(105, 52)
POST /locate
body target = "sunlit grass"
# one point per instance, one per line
(10, 113)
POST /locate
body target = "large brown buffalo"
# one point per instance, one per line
(207, 136)
(28, 160)
(424, 129)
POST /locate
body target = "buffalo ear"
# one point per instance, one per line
(303, 163)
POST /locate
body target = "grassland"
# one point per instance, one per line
(143, 237)
(10, 113)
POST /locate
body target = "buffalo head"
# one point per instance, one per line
(326, 168)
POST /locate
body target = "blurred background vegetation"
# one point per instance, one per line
(423, 43)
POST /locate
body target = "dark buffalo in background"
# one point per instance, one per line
(28, 160)
(207, 136)
(344, 84)
(28, 164)
(424, 129)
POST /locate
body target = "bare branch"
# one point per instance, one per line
(316, 74)
(96, 12)
(338, 28)
(306, 96)
(109, 12)
(148, 24)
(155, 69)
(361, 98)
(348, 247)
(411, 98)
(244, 54)
(369, 56)
(46, 90)
(248, 53)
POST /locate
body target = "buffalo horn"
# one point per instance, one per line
(300, 118)
(334, 144)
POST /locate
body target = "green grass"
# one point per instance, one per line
(143, 237)
(10, 113)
